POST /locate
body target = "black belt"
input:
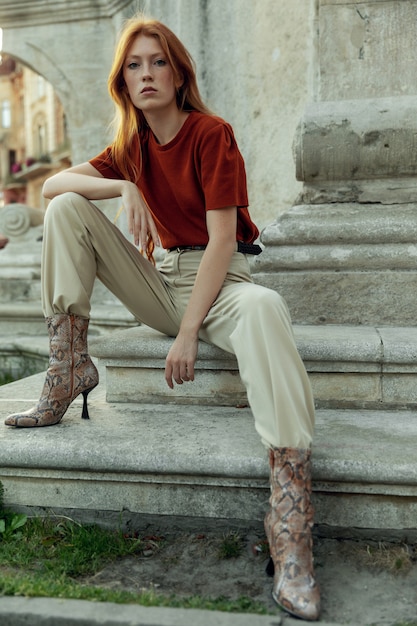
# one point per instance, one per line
(244, 248)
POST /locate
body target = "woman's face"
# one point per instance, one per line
(149, 77)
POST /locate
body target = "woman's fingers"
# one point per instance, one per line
(141, 224)
(179, 365)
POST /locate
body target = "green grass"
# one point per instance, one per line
(231, 546)
(49, 557)
(64, 548)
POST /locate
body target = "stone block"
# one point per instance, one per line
(354, 298)
(348, 366)
(346, 224)
(135, 383)
(357, 139)
(341, 389)
(22, 319)
(135, 364)
(358, 270)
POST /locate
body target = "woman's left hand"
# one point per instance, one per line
(179, 365)
(221, 228)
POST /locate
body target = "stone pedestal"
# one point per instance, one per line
(347, 252)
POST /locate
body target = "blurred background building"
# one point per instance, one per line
(34, 141)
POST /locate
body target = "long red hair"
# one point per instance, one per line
(130, 121)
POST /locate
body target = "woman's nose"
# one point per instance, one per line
(146, 71)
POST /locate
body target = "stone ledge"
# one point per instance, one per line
(19, 319)
(384, 346)
(365, 367)
(16, 611)
(345, 139)
(203, 462)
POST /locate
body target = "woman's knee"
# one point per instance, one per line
(63, 206)
(261, 298)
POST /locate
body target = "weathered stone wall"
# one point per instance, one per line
(367, 49)
(254, 61)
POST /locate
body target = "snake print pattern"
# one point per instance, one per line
(70, 372)
(288, 526)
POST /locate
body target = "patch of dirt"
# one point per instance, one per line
(362, 583)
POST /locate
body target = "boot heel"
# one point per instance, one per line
(84, 414)
(270, 568)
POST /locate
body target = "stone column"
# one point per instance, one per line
(346, 252)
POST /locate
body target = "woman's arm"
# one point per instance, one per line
(85, 180)
(221, 226)
(88, 182)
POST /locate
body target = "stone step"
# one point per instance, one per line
(349, 367)
(26, 319)
(141, 459)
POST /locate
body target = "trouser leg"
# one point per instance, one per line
(278, 387)
(80, 243)
(254, 323)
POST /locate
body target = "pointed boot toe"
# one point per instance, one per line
(22, 420)
(11, 420)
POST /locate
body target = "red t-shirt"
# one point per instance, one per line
(201, 169)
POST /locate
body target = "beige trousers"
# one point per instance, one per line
(247, 320)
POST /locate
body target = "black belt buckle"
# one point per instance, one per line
(248, 248)
(183, 248)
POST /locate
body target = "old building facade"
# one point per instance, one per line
(34, 141)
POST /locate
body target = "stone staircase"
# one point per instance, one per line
(194, 453)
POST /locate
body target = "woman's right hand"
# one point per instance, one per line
(139, 219)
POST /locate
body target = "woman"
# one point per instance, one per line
(181, 179)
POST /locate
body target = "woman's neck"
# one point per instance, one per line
(165, 128)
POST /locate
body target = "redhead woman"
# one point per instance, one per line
(181, 179)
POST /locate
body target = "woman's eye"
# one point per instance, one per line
(133, 65)
(160, 62)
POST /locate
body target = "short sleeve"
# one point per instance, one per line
(222, 169)
(103, 162)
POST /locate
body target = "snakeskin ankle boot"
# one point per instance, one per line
(70, 372)
(288, 526)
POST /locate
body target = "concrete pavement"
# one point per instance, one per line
(57, 612)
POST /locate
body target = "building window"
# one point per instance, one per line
(41, 86)
(41, 140)
(6, 114)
